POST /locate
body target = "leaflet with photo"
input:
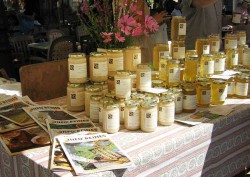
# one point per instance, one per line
(6, 125)
(43, 112)
(93, 153)
(12, 109)
(57, 127)
(16, 142)
(27, 100)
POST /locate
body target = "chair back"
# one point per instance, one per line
(19, 46)
(44, 81)
(61, 47)
(52, 34)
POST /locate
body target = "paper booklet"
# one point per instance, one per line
(27, 100)
(57, 127)
(93, 153)
(43, 112)
(12, 110)
(16, 142)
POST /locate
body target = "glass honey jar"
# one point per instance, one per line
(166, 107)
(230, 41)
(163, 68)
(231, 87)
(232, 58)
(77, 68)
(246, 57)
(75, 97)
(202, 46)
(111, 83)
(178, 99)
(191, 68)
(143, 77)
(178, 28)
(115, 61)
(122, 84)
(149, 116)
(219, 62)
(241, 37)
(207, 65)
(203, 92)
(218, 91)
(242, 85)
(102, 101)
(159, 51)
(173, 73)
(214, 41)
(89, 91)
(132, 57)
(178, 49)
(132, 115)
(241, 49)
(94, 108)
(98, 66)
(189, 98)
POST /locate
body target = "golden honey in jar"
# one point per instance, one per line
(173, 73)
(143, 77)
(178, 99)
(89, 91)
(122, 84)
(115, 61)
(111, 118)
(77, 68)
(218, 91)
(191, 68)
(98, 66)
(178, 28)
(182, 69)
(75, 97)
(202, 46)
(241, 49)
(102, 101)
(241, 37)
(242, 85)
(132, 57)
(203, 92)
(94, 107)
(178, 49)
(111, 83)
(166, 109)
(102, 85)
(133, 81)
(149, 116)
(132, 115)
(189, 98)
(246, 57)
(207, 65)
(159, 51)
(190, 52)
(214, 40)
(230, 41)
(231, 87)
(158, 84)
(163, 67)
(219, 62)
(232, 58)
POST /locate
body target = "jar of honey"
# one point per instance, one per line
(75, 97)
(246, 57)
(232, 58)
(178, 28)
(191, 68)
(207, 65)
(166, 109)
(241, 37)
(219, 62)
(202, 46)
(149, 116)
(143, 77)
(178, 49)
(241, 49)
(178, 99)
(132, 115)
(218, 91)
(132, 57)
(98, 66)
(173, 73)
(203, 92)
(230, 41)
(159, 51)
(94, 108)
(231, 87)
(89, 91)
(214, 41)
(115, 61)
(122, 84)
(189, 98)
(163, 68)
(241, 85)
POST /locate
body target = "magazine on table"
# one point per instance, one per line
(12, 109)
(16, 142)
(6, 125)
(43, 112)
(28, 101)
(93, 153)
(57, 127)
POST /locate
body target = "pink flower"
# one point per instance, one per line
(107, 40)
(126, 23)
(151, 24)
(137, 31)
(119, 37)
(133, 8)
(85, 7)
(106, 36)
(139, 12)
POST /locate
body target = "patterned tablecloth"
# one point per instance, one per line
(215, 149)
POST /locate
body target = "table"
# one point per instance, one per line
(215, 149)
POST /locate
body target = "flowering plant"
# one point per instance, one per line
(115, 24)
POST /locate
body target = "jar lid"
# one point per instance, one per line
(162, 44)
(174, 61)
(219, 81)
(110, 105)
(115, 50)
(133, 47)
(157, 82)
(122, 72)
(243, 46)
(98, 54)
(93, 88)
(166, 57)
(110, 95)
(76, 55)
(96, 97)
(143, 66)
(148, 104)
(166, 98)
(138, 96)
(193, 57)
(220, 53)
(75, 85)
(207, 55)
(132, 103)
(243, 76)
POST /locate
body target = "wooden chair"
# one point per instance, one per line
(44, 81)
(52, 34)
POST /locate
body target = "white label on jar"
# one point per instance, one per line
(121, 109)
(136, 59)
(123, 87)
(246, 58)
(100, 114)
(234, 59)
(215, 46)
(167, 113)
(182, 29)
(189, 101)
(205, 96)
(145, 79)
(231, 44)
(179, 52)
(94, 111)
(77, 98)
(163, 54)
(230, 88)
(222, 94)
(150, 118)
(242, 40)
(220, 64)
(206, 49)
(162, 71)
(77, 71)
(100, 69)
(241, 89)
(174, 75)
(115, 64)
(133, 118)
(178, 104)
(112, 119)
(209, 67)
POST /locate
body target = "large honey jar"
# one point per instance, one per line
(241, 85)
(218, 91)
(115, 61)
(132, 57)
(202, 46)
(159, 51)
(203, 92)
(219, 62)
(178, 28)
(122, 84)
(98, 66)
(166, 107)
(207, 65)
(178, 49)
(241, 37)
(143, 77)
(232, 58)
(214, 40)
(230, 41)
(149, 116)
(191, 67)
(173, 73)
(132, 115)
(75, 97)
(189, 98)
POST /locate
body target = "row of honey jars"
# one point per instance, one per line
(238, 86)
